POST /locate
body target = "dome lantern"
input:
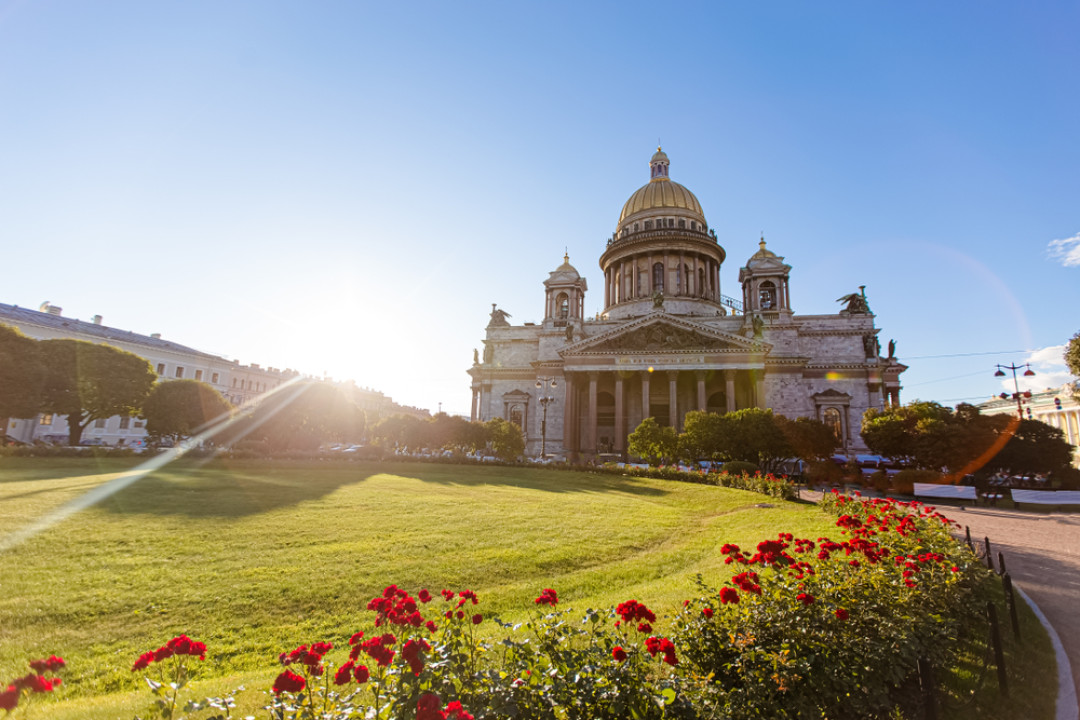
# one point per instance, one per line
(658, 166)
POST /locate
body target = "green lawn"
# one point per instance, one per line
(257, 557)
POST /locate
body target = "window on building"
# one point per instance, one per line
(562, 306)
(198, 374)
(516, 416)
(767, 295)
(658, 277)
(648, 224)
(234, 382)
(179, 371)
(46, 419)
(125, 423)
(161, 368)
(99, 423)
(214, 378)
(831, 417)
(701, 281)
(140, 424)
(682, 224)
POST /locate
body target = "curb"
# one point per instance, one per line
(1066, 706)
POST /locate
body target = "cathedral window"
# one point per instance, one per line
(682, 224)
(648, 224)
(515, 415)
(831, 417)
(658, 277)
(635, 227)
(767, 295)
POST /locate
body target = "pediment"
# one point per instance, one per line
(662, 333)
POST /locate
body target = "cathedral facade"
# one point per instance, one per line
(668, 341)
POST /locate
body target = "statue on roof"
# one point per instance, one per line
(855, 303)
(498, 317)
(475, 356)
(892, 350)
(658, 300)
(758, 324)
(569, 332)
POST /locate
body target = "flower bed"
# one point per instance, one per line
(803, 627)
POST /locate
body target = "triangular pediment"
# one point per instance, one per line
(663, 333)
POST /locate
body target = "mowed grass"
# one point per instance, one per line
(254, 558)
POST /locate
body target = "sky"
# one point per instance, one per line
(344, 188)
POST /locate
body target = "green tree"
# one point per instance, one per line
(809, 439)
(181, 408)
(700, 437)
(916, 434)
(1072, 360)
(1034, 447)
(506, 439)
(88, 382)
(753, 435)
(652, 442)
(21, 376)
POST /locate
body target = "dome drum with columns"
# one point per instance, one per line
(668, 341)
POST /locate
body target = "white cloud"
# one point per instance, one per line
(1067, 251)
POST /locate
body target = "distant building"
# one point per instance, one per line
(669, 341)
(1053, 406)
(172, 361)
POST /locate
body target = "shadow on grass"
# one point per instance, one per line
(232, 489)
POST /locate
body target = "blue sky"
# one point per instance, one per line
(345, 188)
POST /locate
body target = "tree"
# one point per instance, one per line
(1034, 447)
(916, 434)
(652, 442)
(752, 435)
(181, 408)
(700, 437)
(506, 439)
(88, 382)
(21, 376)
(809, 439)
(1072, 360)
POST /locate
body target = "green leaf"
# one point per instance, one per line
(669, 696)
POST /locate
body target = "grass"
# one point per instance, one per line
(254, 557)
(970, 692)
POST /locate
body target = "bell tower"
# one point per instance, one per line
(564, 295)
(765, 284)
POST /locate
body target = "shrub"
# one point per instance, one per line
(904, 481)
(738, 467)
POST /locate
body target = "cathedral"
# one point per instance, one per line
(668, 341)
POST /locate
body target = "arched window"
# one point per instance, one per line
(515, 415)
(701, 281)
(831, 417)
(562, 303)
(658, 277)
(767, 295)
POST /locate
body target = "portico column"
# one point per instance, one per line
(673, 400)
(646, 402)
(591, 437)
(701, 390)
(620, 422)
(472, 414)
(729, 389)
(759, 388)
(569, 411)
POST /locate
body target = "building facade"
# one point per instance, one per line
(669, 341)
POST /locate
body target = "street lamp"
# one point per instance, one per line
(1016, 395)
(543, 383)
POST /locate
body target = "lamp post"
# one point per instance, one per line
(1016, 395)
(542, 384)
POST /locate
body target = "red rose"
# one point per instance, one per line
(9, 698)
(427, 708)
(708, 612)
(477, 619)
(361, 674)
(618, 653)
(841, 613)
(729, 595)
(424, 596)
(547, 597)
(431, 626)
(288, 681)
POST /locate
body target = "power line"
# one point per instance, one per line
(997, 352)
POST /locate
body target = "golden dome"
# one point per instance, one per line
(661, 196)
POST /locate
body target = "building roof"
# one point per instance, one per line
(16, 315)
(661, 195)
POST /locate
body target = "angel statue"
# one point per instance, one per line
(498, 317)
(855, 303)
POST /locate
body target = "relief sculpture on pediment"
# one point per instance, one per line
(655, 338)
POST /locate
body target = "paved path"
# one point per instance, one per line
(1042, 553)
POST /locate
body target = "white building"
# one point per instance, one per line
(669, 341)
(172, 361)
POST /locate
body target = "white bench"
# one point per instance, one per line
(945, 492)
(1046, 497)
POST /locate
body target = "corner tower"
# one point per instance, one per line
(564, 295)
(662, 250)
